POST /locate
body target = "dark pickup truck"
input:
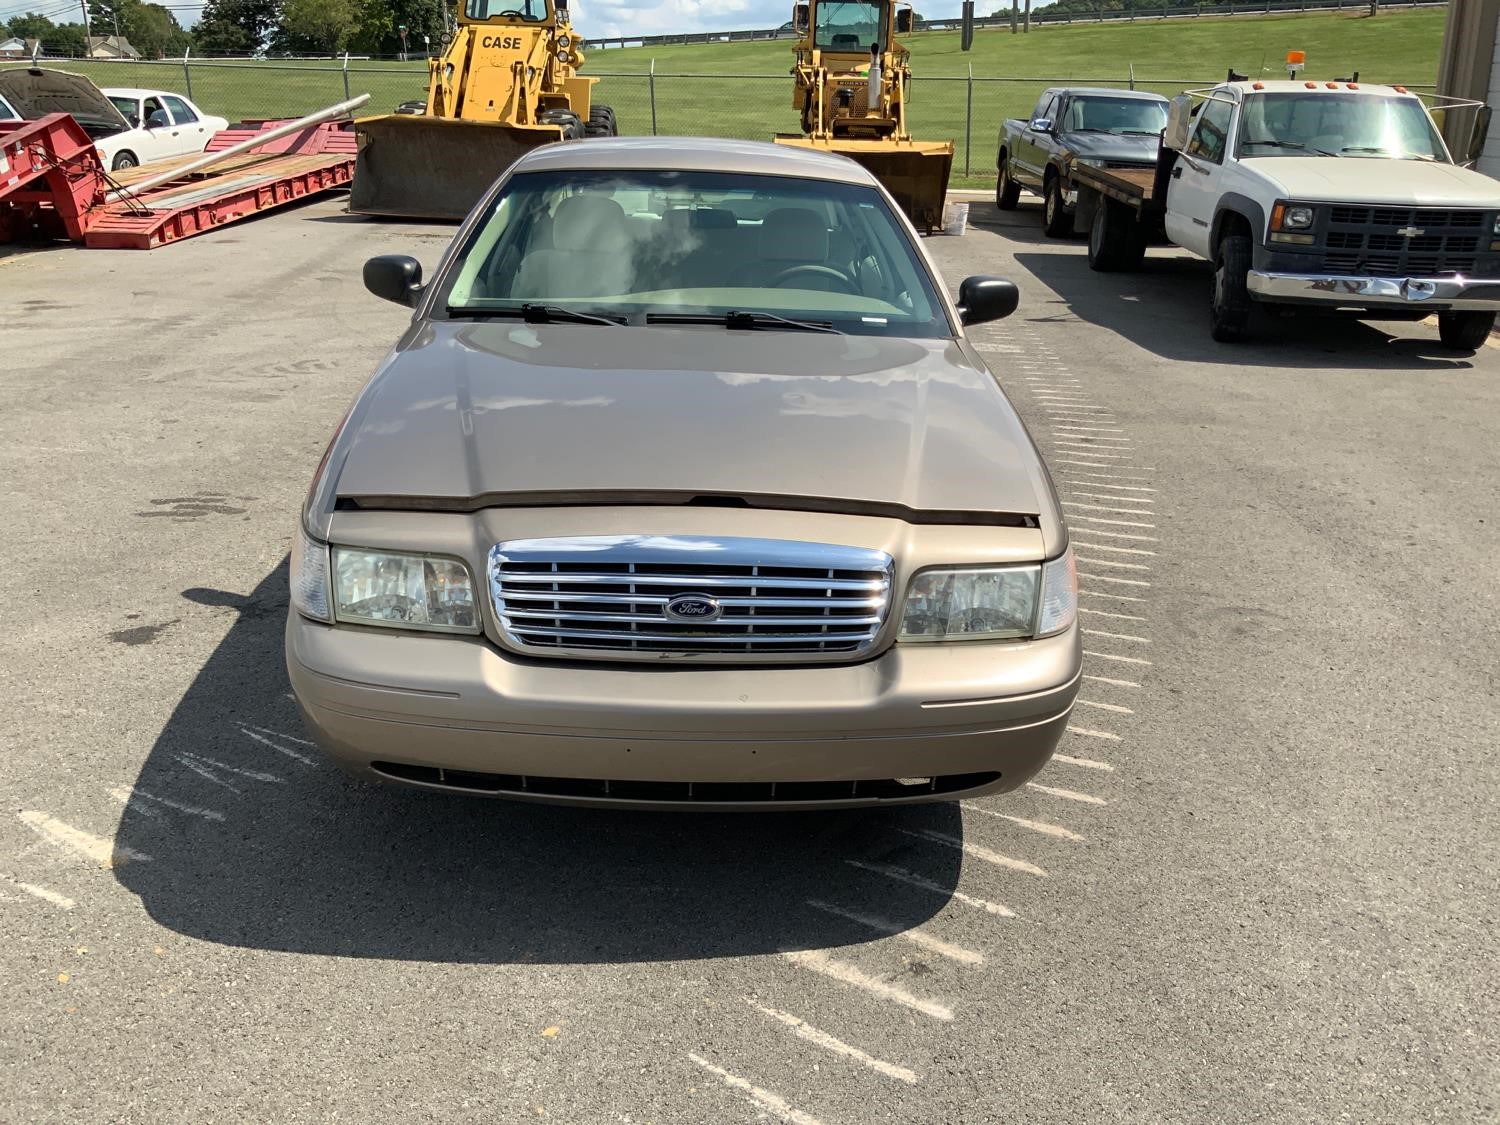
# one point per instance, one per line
(1074, 125)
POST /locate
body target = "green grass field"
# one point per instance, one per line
(1010, 71)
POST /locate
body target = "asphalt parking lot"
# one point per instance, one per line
(1261, 882)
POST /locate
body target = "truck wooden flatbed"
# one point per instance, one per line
(1122, 209)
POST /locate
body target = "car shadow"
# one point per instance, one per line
(1023, 225)
(1163, 308)
(254, 840)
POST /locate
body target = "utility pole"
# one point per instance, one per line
(1015, 15)
(1026, 27)
(87, 34)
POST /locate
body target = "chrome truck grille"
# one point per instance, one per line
(1405, 241)
(720, 599)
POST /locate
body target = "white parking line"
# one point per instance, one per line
(807, 1031)
(1087, 492)
(1073, 474)
(1066, 794)
(912, 879)
(1056, 831)
(1112, 487)
(1106, 613)
(976, 850)
(1111, 597)
(1117, 581)
(212, 763)
(1110, 682)
(1118, 636)
(1089, 449)
(253, 732)
(1089, 464)
(1102, 508)
(1114, 707)
(62, 902)
(1086, 763)
(1088, 429)
(1106, 562)
(818, 961)
(1126, 535)
(1090, 733)
(101, 851)
(126, 795)
(1112, 656)
(767, 1101)
(905, 933)
(1114, 549)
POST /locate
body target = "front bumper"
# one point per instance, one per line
(460, 714)
(1333, 291)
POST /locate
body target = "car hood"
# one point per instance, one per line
(36, 92)
(1406, 183)
(503, 412)
(1113, 146)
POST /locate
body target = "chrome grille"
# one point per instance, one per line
(606, 597)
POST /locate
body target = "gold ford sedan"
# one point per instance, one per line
(685, 488)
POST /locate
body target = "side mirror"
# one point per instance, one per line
(1478, 135)
(983, 299)
(903, 21)
(394, 277)
(801, 13)
(1042, 125)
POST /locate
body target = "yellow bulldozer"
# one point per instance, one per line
(851, 87)
(506, 82)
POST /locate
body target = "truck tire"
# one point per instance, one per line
(1116, 241)
(1465, 331)
(1230, 306)
(1007, 191)
(601, 122)
(1055, 218)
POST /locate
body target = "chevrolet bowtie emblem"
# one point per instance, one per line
(1411, 232)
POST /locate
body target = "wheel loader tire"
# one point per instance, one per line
(601, 122)
(415, 108)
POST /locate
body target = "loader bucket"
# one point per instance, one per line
(421, 167)
(914, 172)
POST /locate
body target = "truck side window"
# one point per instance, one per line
(1212, 135)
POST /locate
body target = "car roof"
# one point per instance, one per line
(1309, 85)
(1138, 95)
(694, 154)
(135, 92)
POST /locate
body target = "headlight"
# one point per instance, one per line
(308, 575)
(564, 41)
(1496, 228)
(992, 603)
(1297, 218)
(403, 591)
(1091, 161)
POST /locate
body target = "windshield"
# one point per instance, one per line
(534, 11)
(129, 108)
(1114, 115)
(645, 245)
(849, 26)
(1339, 124)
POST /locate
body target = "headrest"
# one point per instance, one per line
(590, 222)
(793, 234)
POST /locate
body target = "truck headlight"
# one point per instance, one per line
(991, 603)
(1297, 218)
(308, 575)
(1090, 161)
(1496, 228)
(403, 591)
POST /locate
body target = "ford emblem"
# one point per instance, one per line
(693, 607)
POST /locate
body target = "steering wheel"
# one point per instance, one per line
(818, 271)
(510, 12)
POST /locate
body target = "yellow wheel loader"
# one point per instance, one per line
(506, 82)
(852, 79)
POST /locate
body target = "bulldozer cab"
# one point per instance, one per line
(851, 86)
(507, 82)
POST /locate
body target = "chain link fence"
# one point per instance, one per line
(968, 110)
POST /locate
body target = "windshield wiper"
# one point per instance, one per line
(1388, 152)
(743, 320)
(1141, 132)
(535, 314)
(1291, 144)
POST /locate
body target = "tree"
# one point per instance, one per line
(320, 27)
(31, 26)
(67, 39)
(235, 27)
(380, 19)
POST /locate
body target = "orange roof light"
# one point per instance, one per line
(1257, 86)
(1399, 89)
(1296, 58)
(1354, 85)
(1311, 85)
(1332, 85)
